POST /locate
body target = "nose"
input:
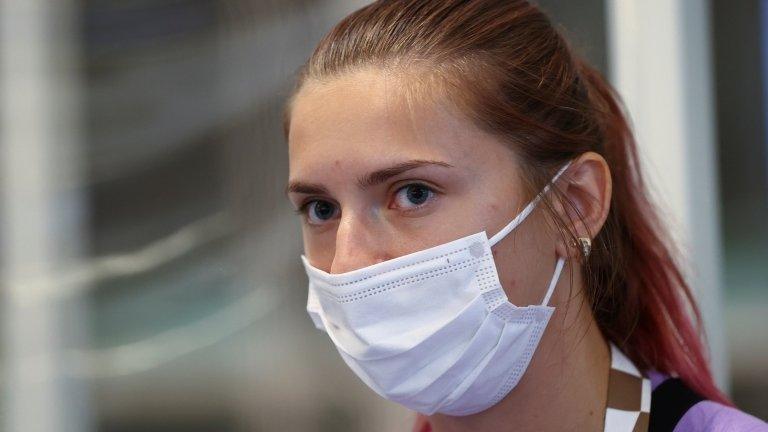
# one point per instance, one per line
(360, 242)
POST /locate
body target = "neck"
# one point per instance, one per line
(565, 386)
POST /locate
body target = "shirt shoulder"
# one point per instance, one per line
(709, 416)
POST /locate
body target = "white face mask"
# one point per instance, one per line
(433, 330)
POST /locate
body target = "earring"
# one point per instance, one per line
(586, 245)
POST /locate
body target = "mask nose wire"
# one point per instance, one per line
(527, 210)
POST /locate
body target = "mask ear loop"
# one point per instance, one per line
(553, 282)
(527, 210)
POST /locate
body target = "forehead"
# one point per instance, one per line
(370, 116)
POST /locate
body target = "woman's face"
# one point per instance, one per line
(375, 180)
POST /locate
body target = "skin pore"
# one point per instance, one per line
(374, 178)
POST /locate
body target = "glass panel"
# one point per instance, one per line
(740, 57)
(198, 309)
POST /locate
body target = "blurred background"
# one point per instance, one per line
(149, 260)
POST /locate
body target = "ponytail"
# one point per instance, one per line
(640, 299)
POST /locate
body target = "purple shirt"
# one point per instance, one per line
(709, 416)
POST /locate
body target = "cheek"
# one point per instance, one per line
(512, 277)
(457, 214)
(525, 263)
(454, 217)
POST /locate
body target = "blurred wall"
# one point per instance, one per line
(204, 328)
(741, 85)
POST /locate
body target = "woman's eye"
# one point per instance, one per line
(413, 195)
(319, 212)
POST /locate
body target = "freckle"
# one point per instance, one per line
(494, 207)
(337, 162)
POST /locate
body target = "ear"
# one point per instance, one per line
(586, 189)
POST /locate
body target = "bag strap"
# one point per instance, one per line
(669, 403)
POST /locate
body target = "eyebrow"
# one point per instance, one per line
(306, 188)
(382, 175)
(368, 180)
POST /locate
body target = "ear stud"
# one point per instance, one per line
(586, 245)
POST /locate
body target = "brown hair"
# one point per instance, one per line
(511, 72)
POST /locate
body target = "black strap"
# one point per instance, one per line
(669, 403)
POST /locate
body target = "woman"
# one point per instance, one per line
(450, 160)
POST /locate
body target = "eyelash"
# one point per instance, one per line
(431, 190)
(303, 208)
